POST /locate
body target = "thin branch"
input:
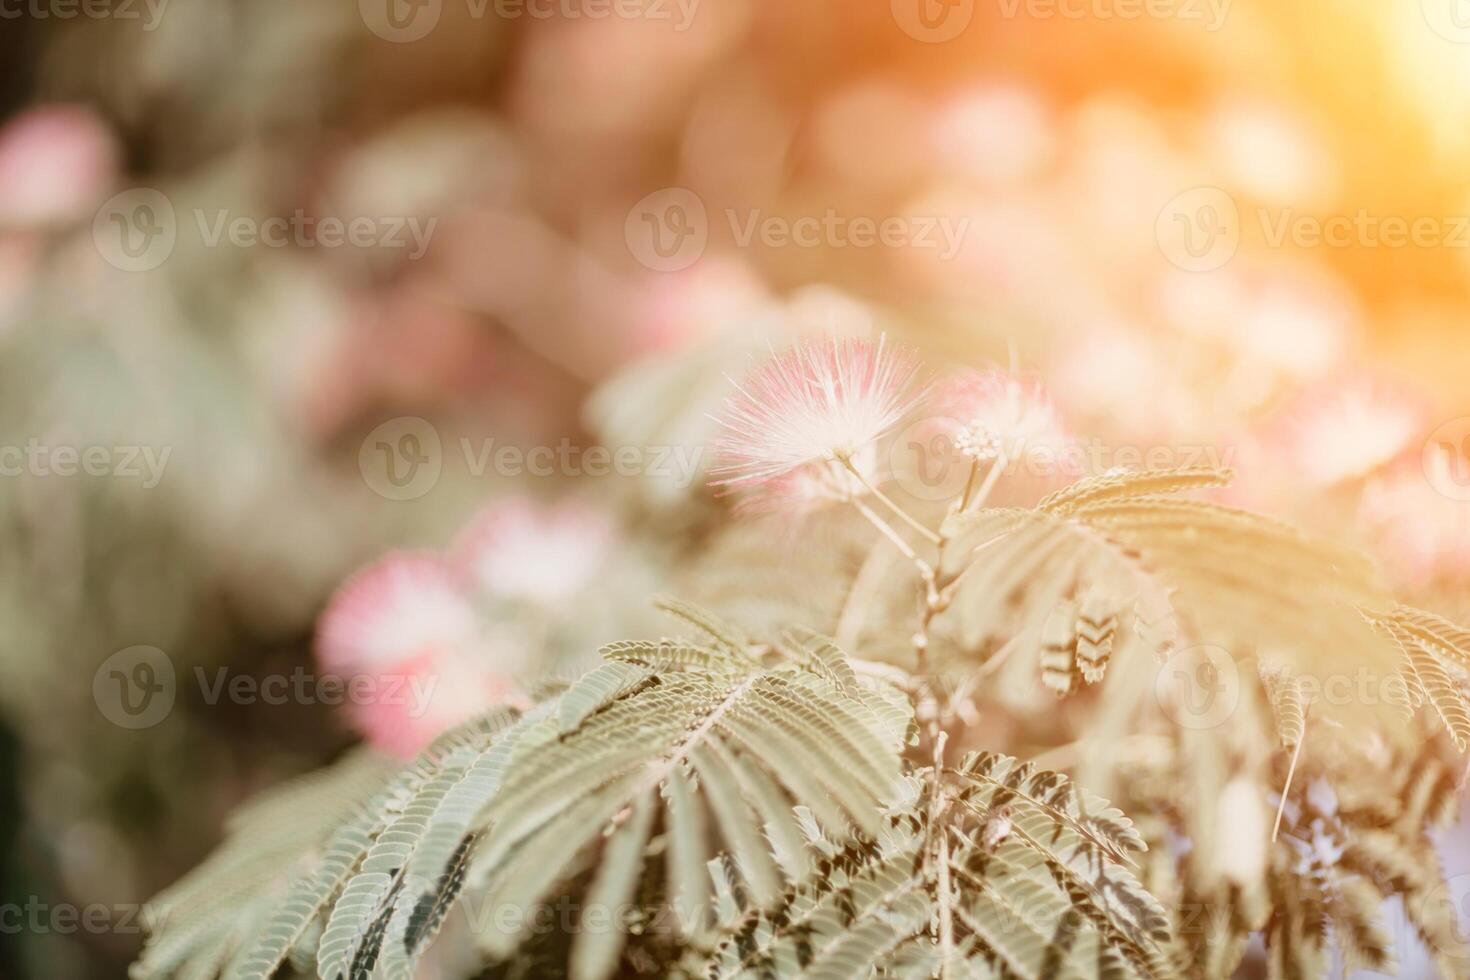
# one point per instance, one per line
(946, 912)
(898, 511)
(888, 532)
(1290, 773)
(936, 812)
(969, 491)
(992, 476)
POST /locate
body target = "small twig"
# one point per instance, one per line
(945, 917)
(992, 476)
(997, 659)
(948, 589)
(969, 491)
(883, 498)
(888, 532)
(1290, 773)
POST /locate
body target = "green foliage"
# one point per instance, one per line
(760, 792)
(731, 805)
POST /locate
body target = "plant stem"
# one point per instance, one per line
(969, 491)
(897, 539)
(1290, 773)
(992, 476)
(936, 813)
(898, 511)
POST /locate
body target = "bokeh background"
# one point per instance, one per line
(246, 245)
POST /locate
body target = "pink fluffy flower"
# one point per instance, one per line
(995, 414)
(405, 636)
(810, 487)
(1344, 431)
(516, 549)
(55, 162)
(1420, 530)
(821, 401)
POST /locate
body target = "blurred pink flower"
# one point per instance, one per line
(1420, 532)
(405, 635)
(820, 401)
(1098, 374)
(1270, 153)
(994, 134)
(998, 414)
(1120, 168)
(55, 164)
(1293, 321)
(673, 309)
(1344, 430)
(520, 550)
(842, 132)
(1005, 249)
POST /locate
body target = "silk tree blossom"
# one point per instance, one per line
(992, 414)
(811, 486)
(822, 401)
(523, 551)
(407, 623)
(1344, 431)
